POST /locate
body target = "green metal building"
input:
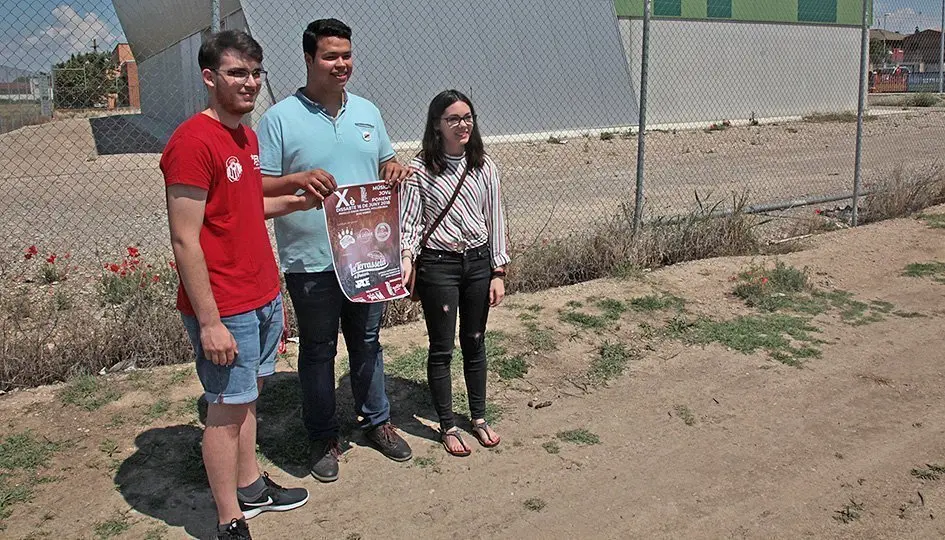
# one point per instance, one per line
(843, 12)
(733, 59)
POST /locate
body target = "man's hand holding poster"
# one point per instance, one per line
(364, 231)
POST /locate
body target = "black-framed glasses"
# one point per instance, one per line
(454, 121)
(243, 75)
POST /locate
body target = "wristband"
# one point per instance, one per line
(498, 273)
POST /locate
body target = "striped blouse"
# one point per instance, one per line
(475, 219)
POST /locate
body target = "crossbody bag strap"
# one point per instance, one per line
(439, 218)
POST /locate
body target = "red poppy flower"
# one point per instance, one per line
(51, 259)
(132, 251)
(113, 267)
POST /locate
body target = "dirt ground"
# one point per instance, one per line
(694, 441)
(62, 196)
(16, 114)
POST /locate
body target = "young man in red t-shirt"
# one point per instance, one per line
(229, 295)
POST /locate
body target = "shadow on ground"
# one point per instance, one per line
(165, 477)
(281, 434)
(122, 134)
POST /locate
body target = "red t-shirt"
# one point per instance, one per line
(204, 153)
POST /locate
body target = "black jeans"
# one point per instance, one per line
(319, 306)
(449, 282)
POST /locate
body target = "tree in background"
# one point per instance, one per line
(84, 80)
(878, 52)
(122, 88)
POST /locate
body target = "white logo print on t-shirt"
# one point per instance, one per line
(234, 170)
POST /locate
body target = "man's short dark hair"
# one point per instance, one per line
(213, 48)
(323, 28)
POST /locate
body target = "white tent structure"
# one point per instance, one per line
(529, 69)
(533, 68)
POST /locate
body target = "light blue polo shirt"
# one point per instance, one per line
(298, 135)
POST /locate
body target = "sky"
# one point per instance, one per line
(38, 33)
(34, 34)
(904, 15)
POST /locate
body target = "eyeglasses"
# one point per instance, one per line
(243, 75)
(453, 121)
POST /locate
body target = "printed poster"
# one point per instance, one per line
(363, 223)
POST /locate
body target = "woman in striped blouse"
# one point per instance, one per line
(462, 264)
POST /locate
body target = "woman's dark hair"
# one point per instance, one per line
(208, 57)
(432, 152)
(320, 29)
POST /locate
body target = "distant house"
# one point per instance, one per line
(18, 90)
(885, 48)
(922, 50)
(891, 42)
(892, 39)
(127, 70)
(26, 88)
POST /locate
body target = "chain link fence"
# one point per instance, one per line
(902, 147)
(746, 103)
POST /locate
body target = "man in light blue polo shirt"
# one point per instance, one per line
(317, 139)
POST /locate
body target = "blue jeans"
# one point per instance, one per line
(319, 306)
(257, 334)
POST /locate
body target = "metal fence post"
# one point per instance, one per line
(858, 162)
(941, 51)
(215, 13)
(641, 131)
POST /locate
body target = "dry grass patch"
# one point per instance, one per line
(49, 345)
(843, 117)
(611, 250)
(903, 193)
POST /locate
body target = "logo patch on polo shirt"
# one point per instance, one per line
(367, 130)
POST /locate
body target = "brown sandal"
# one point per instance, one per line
(479, 431)
(455, 433)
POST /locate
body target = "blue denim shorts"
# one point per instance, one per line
(257, 334)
